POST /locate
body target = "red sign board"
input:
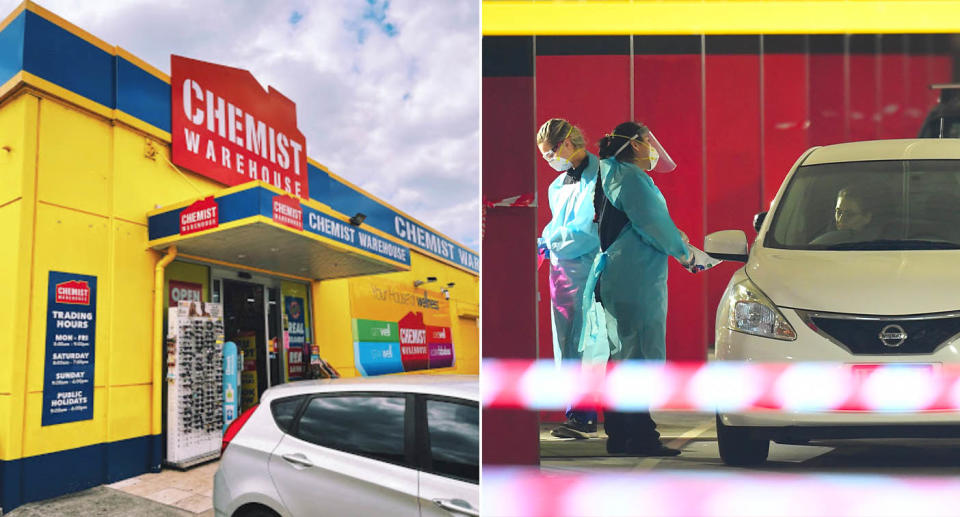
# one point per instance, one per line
(414, 352)
(226, 127)
(287, 211)
(186, 291)
(74, 291)
(201, 215)
(440, 343)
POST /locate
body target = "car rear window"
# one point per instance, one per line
(454, 436)
(367, 425)
(285, 410)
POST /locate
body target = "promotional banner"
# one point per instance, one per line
(397, 328)
(227, 127)
(247, 348)
(296, 329)
(69, 366)
(230, 383)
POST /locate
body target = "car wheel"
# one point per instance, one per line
(737, 448)
(255, 510)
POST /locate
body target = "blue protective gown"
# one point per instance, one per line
(572, 239)
(632, 272)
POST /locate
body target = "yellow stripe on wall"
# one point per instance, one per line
(539, 17)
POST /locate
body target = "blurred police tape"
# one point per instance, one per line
(725, 386)
(530, 492)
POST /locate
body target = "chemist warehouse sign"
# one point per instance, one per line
(227, 128)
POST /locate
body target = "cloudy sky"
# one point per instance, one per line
(387, 91)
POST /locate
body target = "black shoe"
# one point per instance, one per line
(630, 448)
(574, 429)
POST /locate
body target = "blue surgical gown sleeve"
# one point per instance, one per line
(631, 190)
(572, 232)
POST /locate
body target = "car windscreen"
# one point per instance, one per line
(872, 205)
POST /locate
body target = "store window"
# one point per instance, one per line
(371, 426)
(454, 435)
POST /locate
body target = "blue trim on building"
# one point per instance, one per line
(142, 94)
(11, 51)
(233, 207)
(64, 59)
(57, 55)
(50, 475)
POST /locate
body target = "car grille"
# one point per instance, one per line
(862, 334)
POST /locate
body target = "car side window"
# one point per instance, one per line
(367, 425)
(454, 436)
(285, 410)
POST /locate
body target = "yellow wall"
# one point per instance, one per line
(331, 309)
(75, 198)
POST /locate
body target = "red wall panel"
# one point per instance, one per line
(668, 99)
(785, 118)
(508, 282)
(733, 153)
(827, 100)
(894, 121)
(594, 101)
(863, 117)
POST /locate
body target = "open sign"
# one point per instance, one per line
(186, 291)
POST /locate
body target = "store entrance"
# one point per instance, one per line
(250, 319)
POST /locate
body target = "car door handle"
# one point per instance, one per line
(451, 506)
(297, 459)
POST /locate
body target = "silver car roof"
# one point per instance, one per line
(903, 149)
(460, 386)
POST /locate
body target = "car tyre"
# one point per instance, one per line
(737, 448)
(255, 510)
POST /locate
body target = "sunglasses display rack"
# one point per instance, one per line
(194, 383)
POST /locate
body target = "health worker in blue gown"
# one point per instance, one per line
(629, 277)
(571, 242)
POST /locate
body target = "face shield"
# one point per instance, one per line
(665, 163)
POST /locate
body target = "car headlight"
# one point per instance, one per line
(751, 312)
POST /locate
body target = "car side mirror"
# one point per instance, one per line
(758, 220)
(727, 245)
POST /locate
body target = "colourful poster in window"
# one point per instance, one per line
(247, 347)
(398, 328)
(297, 331)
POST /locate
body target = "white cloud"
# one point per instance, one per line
(397, 115)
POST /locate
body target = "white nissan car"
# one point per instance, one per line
(857, 262)
(392, 445)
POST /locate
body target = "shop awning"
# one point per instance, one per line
(259, 226)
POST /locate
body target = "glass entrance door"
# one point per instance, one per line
(244, 323)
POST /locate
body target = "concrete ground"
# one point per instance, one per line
(695, 435)
(169, 493)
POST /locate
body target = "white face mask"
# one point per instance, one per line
(654, 157)
(560, 164)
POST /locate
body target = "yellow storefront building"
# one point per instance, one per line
(103, 233)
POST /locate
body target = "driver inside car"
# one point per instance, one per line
(853, 218)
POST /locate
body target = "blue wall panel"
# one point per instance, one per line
(142, 94)
(11, 49)
(51, 475)
(60, 57)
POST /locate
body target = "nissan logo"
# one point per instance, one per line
(893, 335)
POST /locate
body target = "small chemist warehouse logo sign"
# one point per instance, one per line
(226, 127)
(201, 215)
(287, 211)
(73, 292)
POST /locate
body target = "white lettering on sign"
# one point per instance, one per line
(413, 350)
(414, 233)
(178, 294)
(413, 336)
(243, 130)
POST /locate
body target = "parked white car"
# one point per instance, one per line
(855, 263)
(392, 445)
